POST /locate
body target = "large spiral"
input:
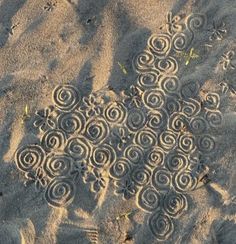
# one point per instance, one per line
(149, 199)
(167, 66)
(191, 107)
(198, 125)
(157, 119)
(71, 122)
(214, 118)
(103, 155)
(149, 79)
(176, 161)
(141, 175)
(168, 140)
(78, 148)
(161, 225)
(134, 154)
(155, 157)
(29, 157)
(160, 45)
(206, 143)
(187, 143)
(177, 122)
(153, 99)
(136, 119)
(53, 139)
(60, 192)
(120, 168)
(58, 165)
(115, 112)
(96, 130)
(212, 100)
(184, 181)
(66, 97)
(143, 61)
(161, 179)
(170, 84)
(175, 204)
(146, 138)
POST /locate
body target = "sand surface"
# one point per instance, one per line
(117, 121)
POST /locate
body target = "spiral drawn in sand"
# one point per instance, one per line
(167, 140)
(136, 119)
(176, 161)
(60, 192)
(214, 118)
(149, 79)
(115, 112)
(161, 225)
(206, 143)
(78, 148)
(103, 155)
(29, 157)
(157, 119)
(184, 181)
(134, 154)
(169, 84)
(190, 90)
(155, 157)
(175, 204)
(149, 199)
(66, 97)
(144, 61)
(146, 138)
(53, 140)
(120, 168)
(58, 165)
(160, 45)
(191, 107)
(153, 99)
(195, 22)
(177, 122)
(96, 130)
(161, 179)
(71, 122)
(180, 41)
(141, 175)
(172, 105)
(198, 125)
(187, 143)
(167, 66)
(212, 101)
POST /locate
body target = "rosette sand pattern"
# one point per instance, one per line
(151, 142)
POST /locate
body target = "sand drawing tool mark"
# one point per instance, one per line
(188, 56)
(122, 67)
(25, 114)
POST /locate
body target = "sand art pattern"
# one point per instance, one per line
(151, 143)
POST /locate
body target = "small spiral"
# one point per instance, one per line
(191, 107)
(141, 175)
(214, 118)
(143, 61)
(161, 226)
(155, 157)
(96, 130)
(180, 41)
(177, 122)
(60, 192)
(195, 22)
(190, 90)
(212, 101)
(187, 143)
(167, 66)
(157, 119)
(136, 119)
(198, 125)
(120, 168)
(168, 140)
(153, 99)
(58, 165)
(103, 155)
(66, 97)
(71, 122)
(115, 112)
(184, 181)
(149, 199)
(53, 139)
(206, 144)
(134, 154)
(78, 148)
(176, 161)
(170, 84)
(29, 157)
(149, 79)
(146, 138)
(161, 179)
(160, 45)
(172, 105)
(175, 204)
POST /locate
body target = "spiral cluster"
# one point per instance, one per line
(153, 99)
(115, 112)
(136, 119)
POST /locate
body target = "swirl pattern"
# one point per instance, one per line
(198, 125)
(134, 154)
(143, 61)
(66, 97)
(161, 179)
(191, 107)
(29, 157)
(187, 143)
(60, 192)
(167, 66)
(177, 122)
(153, 99)
(169, 84)
(115, 112)
(157, 119)
(136, 119)
(214, 118)
(155, 157)
(206, 144)
(120, 168)
(141, 175)
(149, 199)
(176, 161)
(149, 79)
(168, 140)
(180, 41)
(172, 105)
(212, 101)
(146, 138)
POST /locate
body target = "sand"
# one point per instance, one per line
(117, 121)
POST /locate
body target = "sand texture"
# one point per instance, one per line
(117, 121)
